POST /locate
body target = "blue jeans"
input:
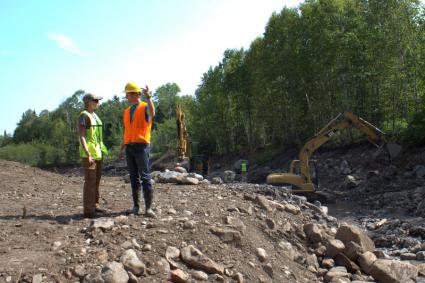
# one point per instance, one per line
(137, 155)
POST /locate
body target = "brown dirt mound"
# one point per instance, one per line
(43, 234)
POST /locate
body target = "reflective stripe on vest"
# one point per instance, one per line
(94, 137)
(137, 130)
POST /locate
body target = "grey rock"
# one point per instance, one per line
(270, 223)
(185, 180)
(268, 268)
(352, 250)
(180, 169)
(132, 263)
(132, 278)
(199, 275)
(179, 276)
(196, 176)
(419, 171)
(335, 275)
(408, 256)
(392, 271)
(162, 266)
(172, 252)
(103, 224)
(313, 232)
(93, 278)
(37, 278)
(169, 177)
(292, 209)
(334, 247)
(348, 233)
(328, 263)
(238, 277)
(196, 259)
(420, 255)
(216, 180)
(311, 260)
(114, 272)
(342, 260)
(229, 176)
(263, 202)
(262, 255)
(342, 269)
(227, 235)
(366, 261)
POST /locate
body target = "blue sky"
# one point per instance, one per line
(50, 49)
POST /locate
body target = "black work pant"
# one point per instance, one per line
(137, 155)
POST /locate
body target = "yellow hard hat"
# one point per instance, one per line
(132, 87)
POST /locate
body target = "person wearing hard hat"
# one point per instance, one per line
(137, 133)
(92, 151)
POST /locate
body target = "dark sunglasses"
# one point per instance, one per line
(95, 100)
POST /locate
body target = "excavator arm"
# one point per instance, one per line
(183, 142)
(303, 182)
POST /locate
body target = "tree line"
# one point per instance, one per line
(312, 62)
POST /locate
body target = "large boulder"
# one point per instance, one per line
(393, 271)
(348, 233)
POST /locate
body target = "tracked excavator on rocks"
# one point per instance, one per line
(303, 176)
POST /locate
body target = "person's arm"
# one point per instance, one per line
(122, 148)
(151, 107)
(82, 135)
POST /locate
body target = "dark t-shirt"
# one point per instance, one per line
(84, 121)
(133, 109)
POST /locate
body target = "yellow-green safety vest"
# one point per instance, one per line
(94, 138)
(243, 167)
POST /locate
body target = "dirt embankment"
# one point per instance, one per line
(211, 233)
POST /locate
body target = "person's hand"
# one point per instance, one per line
(91, 160)
(146, 92)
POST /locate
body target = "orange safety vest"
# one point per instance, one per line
(138, 130)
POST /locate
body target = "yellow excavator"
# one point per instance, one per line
(302, 175)
(193, 163)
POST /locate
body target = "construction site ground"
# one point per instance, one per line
(44, 238)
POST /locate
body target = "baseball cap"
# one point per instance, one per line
(89, 97)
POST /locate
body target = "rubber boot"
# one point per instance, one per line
(136, 198)
(148, 195)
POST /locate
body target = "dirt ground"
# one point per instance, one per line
(43, 234)
(44, 238)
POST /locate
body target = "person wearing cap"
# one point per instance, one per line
(137, 132)
(92, 151)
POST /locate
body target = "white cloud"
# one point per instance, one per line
(66, 43)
